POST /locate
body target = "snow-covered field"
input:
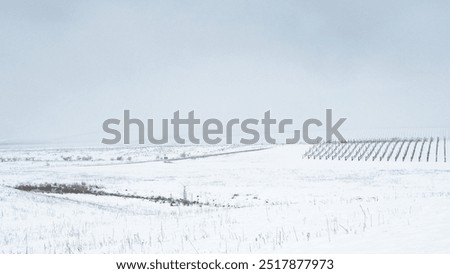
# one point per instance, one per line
(264, 200)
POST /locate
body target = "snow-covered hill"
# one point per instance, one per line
(270, 200)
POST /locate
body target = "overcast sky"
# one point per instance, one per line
(66, 66)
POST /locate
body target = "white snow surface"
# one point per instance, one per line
(264, 201)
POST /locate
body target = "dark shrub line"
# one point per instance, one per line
(96, 190)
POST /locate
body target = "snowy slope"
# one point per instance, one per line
(260, 201)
